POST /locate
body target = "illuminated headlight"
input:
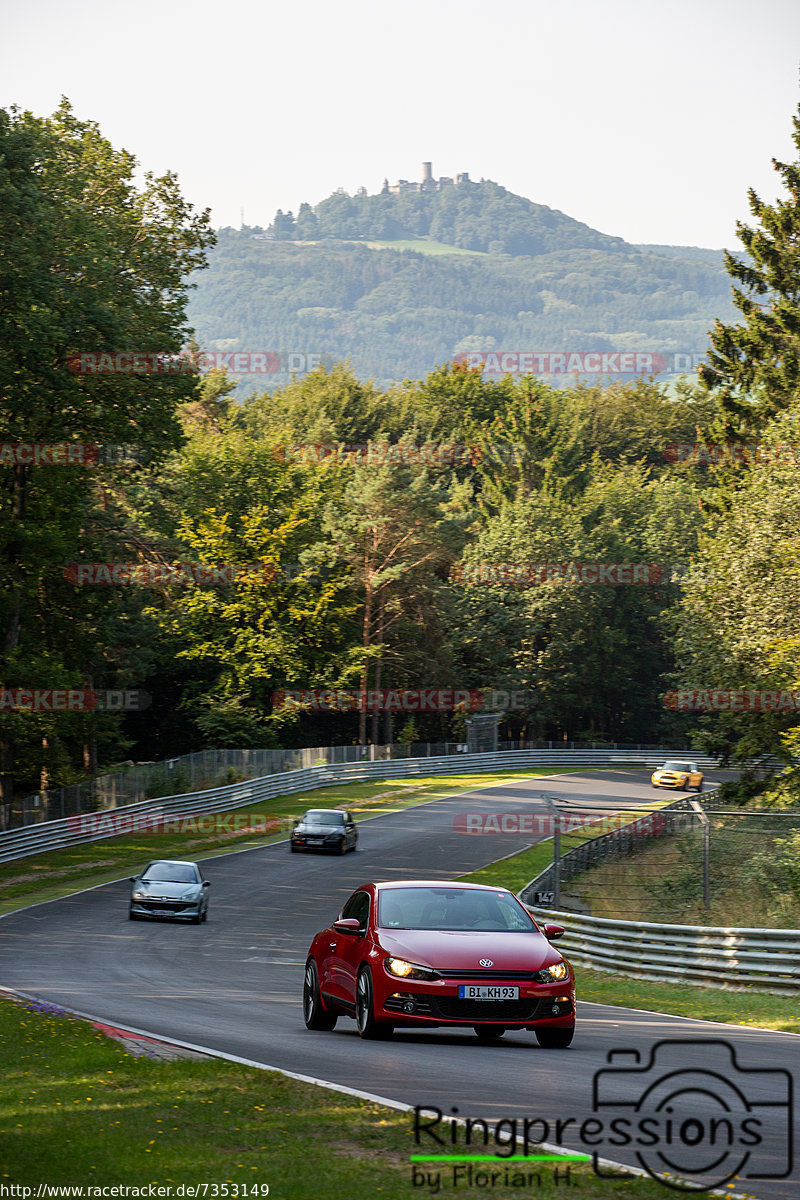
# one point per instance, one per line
(553, 974)
(139, 896)
(408, 970)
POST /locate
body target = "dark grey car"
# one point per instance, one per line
(325, 829)
(168, 889)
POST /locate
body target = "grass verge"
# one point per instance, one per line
(57, 873)
(77, 1109)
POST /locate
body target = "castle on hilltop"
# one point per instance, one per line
(428, 184)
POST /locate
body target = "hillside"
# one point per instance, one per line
(398, 283)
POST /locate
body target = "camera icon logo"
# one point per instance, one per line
(694, 1117)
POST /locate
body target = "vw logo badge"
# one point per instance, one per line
(486, 962)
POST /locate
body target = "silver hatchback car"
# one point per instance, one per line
(168, 889)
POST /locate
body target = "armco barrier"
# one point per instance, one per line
(766, 959)
(70, 831)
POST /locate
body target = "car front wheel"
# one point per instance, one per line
(555, 1039)
(366, 1024)
(316, 1017)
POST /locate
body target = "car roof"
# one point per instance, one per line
(170, 862)
(438, 883)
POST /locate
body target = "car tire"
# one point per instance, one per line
(342, 846)
(366, 1024)
(314, 1015)
(132, 916)
(555, 1039)
(205, 914)
(489, 1033)
(196, 920)
(699, 787)
(293, 848)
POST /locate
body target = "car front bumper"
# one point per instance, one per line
(438, 1003)
(167, 910)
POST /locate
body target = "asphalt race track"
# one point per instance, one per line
(234, 984)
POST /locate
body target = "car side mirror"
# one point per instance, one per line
(206, 883)
(551, 932)
(347, 925)
(296, 821)
(132, 878)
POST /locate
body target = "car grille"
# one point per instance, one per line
(488, 976)
(166, 905)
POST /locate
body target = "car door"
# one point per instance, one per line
(350, 949)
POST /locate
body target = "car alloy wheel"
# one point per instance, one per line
(555, 1039)
(314, 1014)
(367, 1026)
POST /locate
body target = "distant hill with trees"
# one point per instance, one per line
(397, 283)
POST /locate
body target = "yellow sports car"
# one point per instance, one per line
(680, 775)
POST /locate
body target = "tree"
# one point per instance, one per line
(754, 367)
(88, 263)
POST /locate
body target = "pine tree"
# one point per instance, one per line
(754, 368)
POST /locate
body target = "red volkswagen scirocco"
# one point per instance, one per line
(437, 953)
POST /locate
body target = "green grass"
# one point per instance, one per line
(58, 873)
(422, 246)
(77, 1109)
(748, 1007)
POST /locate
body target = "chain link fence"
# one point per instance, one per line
(691, 863)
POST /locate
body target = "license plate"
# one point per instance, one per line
(482, 991)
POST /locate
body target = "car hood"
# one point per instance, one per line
(453, 951)
(166, 890)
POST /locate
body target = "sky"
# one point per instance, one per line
(646, 120)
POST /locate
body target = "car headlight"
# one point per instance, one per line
(553, 974)
(408, 970)
(139, 896)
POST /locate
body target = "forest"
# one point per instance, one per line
(339, 533)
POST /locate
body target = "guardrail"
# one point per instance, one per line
(716, 956)
(625, 840)
(206, 769)
(69, 831)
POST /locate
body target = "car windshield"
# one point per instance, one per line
(167, 872)
(323, 816)
(676, 766)
(464, 909)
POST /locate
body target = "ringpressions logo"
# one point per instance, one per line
(688, 1114)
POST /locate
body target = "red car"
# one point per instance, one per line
(433, 953)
